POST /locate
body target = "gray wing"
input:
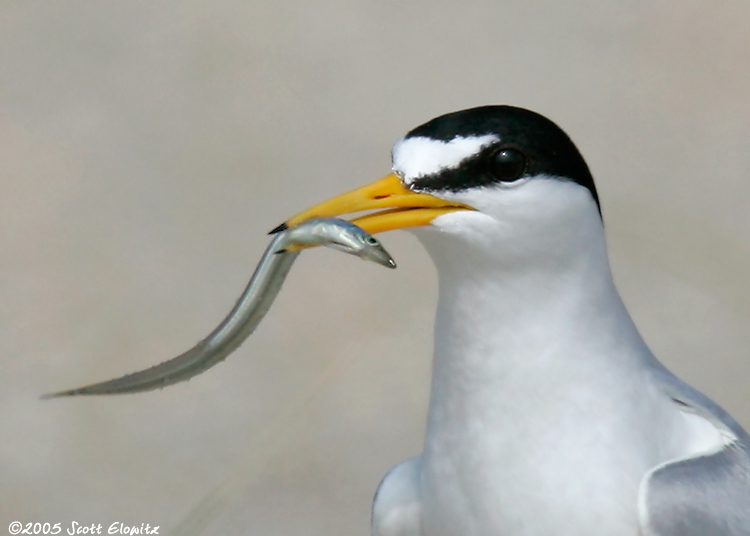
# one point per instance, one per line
(705, 495)
(397, 506)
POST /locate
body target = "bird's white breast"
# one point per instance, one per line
(541, 418)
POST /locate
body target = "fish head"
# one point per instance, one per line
(341, 235)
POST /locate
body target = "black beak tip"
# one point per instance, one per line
(278, 229)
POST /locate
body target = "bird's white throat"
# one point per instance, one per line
(536, 368)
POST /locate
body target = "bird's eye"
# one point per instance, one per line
(506, 165)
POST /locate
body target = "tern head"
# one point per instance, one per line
(499, 180)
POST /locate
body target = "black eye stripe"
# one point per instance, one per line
(470, 174)
(495, 163)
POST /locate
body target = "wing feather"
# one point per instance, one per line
(707, 493)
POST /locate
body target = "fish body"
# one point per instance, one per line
(251, 307)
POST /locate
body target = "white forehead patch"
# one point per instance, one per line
(421, 156)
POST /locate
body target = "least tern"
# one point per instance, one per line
(251, 307)
(548, 413)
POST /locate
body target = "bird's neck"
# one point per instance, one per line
(529, 363)
(531, 327)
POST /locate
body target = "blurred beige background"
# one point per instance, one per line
(147, 147)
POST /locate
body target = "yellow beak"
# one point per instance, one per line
(404, 208)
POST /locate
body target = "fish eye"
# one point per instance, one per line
(506, 165)
(371, 240)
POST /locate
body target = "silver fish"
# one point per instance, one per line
(252, 306)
